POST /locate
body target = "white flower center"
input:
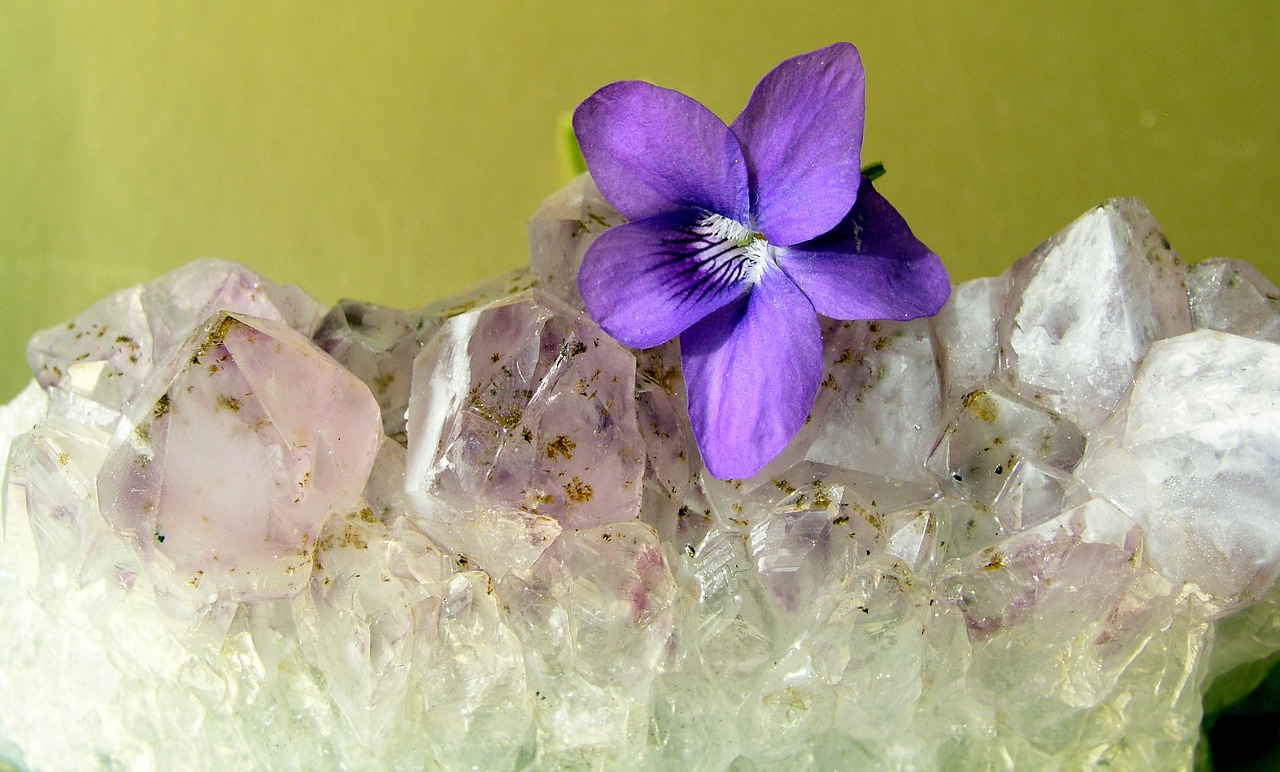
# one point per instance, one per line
(747, 258)
(724, 229)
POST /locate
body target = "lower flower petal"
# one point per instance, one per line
(647, 281)
(870, 266)
(752, 371)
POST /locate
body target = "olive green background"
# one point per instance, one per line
(391, 151)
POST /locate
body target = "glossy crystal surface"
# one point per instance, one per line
(1027, 533)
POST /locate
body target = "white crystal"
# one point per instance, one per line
(965, 329)
(1010, 536)
(1084, 307)
(1192, 455)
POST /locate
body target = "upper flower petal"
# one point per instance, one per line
(646, 281)
(752, 369)
(801, 132)
(653, 150)
(869, 267)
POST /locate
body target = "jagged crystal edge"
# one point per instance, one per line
(242, 530)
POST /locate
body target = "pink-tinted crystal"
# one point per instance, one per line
(226, 477)
(95, 364)
(523, 423)
(559, 234)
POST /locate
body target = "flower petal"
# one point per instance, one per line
(752, 369)
(646, 281)
(801, 132)
(869, 267)
(653, 150)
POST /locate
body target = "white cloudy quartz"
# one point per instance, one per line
(240, 532)
(1193, 457)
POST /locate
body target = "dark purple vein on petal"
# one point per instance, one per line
(721, 264)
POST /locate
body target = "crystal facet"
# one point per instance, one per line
(1028, 533)
(95, 363)
(1192, 455)
(525, 426)
(1231, 296)
(227, 476)
(559, 234)
(1084, 307)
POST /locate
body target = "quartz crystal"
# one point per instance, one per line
(101, 359)
(1193, 455)
(377, 344)
(525, 425)
(1031, 532)
(1231, 296)
(228, 475)
(1083, 308)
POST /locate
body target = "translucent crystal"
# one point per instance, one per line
(1026, 533)
(805, 528)
(378, 345)
(596, 613)
(495, 291)
(226, 476)
(525, 425)
(97, 362)
(1192, 455)
(1083, 556)
(362, 615)
(669, 503)
(1035, 492)
(886, 363)
(991, 434)
(1084, 307)
(559, 234)
(471, 681)
(1231, 296)
(19, 558)
(52, 480)
(966, 332)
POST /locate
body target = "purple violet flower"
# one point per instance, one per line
(739, 236)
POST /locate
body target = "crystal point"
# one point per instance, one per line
(105, 355)
(560, 232)
(1232, 296)
(225, 478)
(1084, 307)
(1031, 529)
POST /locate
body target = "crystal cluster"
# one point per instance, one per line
(241, 532)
